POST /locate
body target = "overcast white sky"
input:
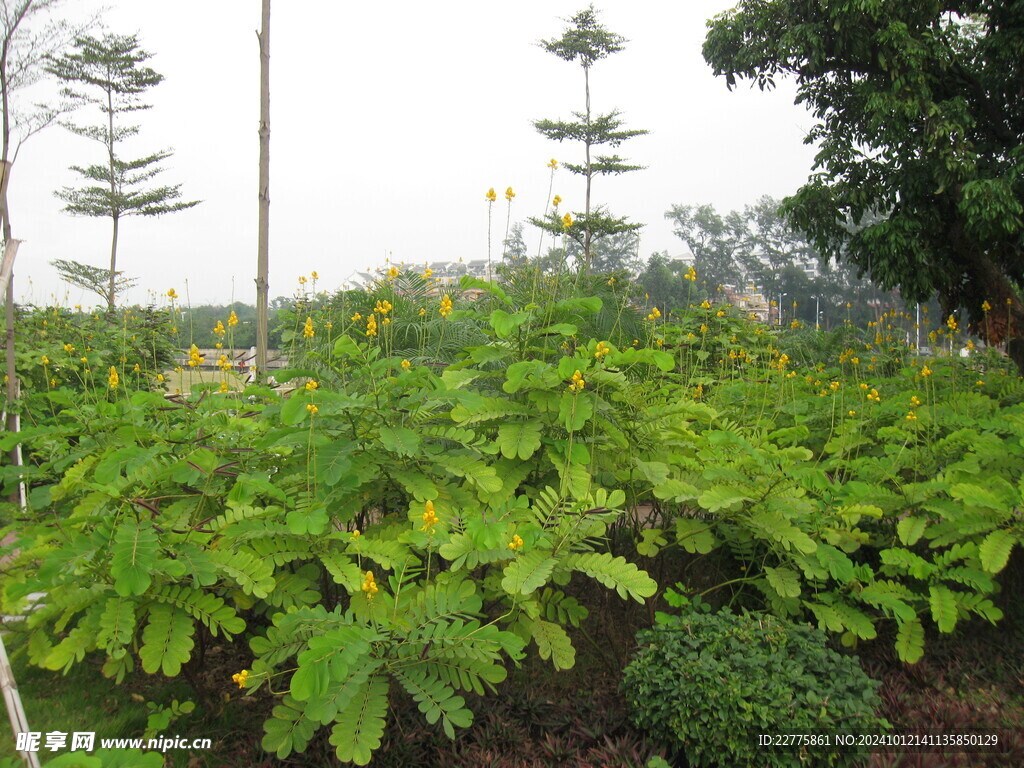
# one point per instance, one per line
(389, 123)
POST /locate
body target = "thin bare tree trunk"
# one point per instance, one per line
(113, 265)
(263, 244)
(587, 231)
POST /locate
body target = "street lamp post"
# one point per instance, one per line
(817, 313)
(781, 297)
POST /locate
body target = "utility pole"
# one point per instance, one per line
(263, 238)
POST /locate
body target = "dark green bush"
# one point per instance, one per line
(709, 684)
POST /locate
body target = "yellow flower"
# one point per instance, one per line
(314, 275)
(852, 413)
(911, 416)
(223, 386)
(566, 221)
(312, 384)
(951, 323)
(446, 306)
(393, 272)
(430, 518)
(914, 401)
(136, 368)
(113, 379)
(44, 360)
(491, 196)
(720, 313)
(601, 350)
(423, 311)
(387, 321)
(223, 363)
(428, 272)
(691, 275)
(53, 383)
(69, 348)
(241, 678)
(578, 383)
(516, 543)
(194, 358)
(926, 371)
(552, 163)
(655, 314)
(356, 317)
(371, 325)
(308, 331)
(302, 279)
(703, 328)
(369, 585)
(160, 377)
(406, 365)
(172, 294)
(979, 383)
(219, 329)
(355, 535)
(313, 410)
(509, 194)
(556, 200)
(985, 306)
(705, 304)
(698, 393)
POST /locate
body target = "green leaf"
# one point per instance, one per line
(910, 529)
(400, 440)
(722, 497)
(519, 439)
(528, 572)
(436, 700)
(995, 550)
(166, 641)
(695, 536)
(553, 643)
(943, 605)
(615, 573)
(294, 409)
(288, 730)
(134, 556)
(360, 726)
(910, 641)
(784, 581)
(574, 410)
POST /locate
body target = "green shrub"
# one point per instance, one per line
(710, 684)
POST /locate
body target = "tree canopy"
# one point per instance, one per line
(919, 175)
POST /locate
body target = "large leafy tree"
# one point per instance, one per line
(110, 74)
(921, 139)
(585, 41)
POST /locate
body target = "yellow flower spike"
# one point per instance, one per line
(446, 306)
(567, 221)
(387, 321)
(356, 317)
(926, 371)
(313, 410)
(914, 401)
(491, 195)
(223, 387)
(393, 272)
(852, 413)
(69, 348)
(314, 275)
(371, 325)
(979, 383)
(354, 535)
(308, 332)
(430, 518)
(951, 323)
(556, 200)
(601, 350)
(302, 279)
(552, 163)
(160, 377)
(171, 294)
(312, 385)
(370, 585)
(911, 416)
(219, 329)
(136, 369)
(241, 678)
(516, 543)
(44, 360)
(577, 383)
(113, 378)
(428, 273)
(406, 365)
(705, 304)
(423, 311)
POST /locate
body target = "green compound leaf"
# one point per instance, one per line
(910, 529)
(553, 643)
(400, 440)
(943, 605)
(784, 581)
(288, 730)
(995, 550)
(360, 726)
(528, 572)
(166, 641)
(910, 641)
(615, 573)
(134, 556)
(519, 439)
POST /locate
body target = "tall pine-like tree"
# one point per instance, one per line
(586, 42)
(110, 74)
